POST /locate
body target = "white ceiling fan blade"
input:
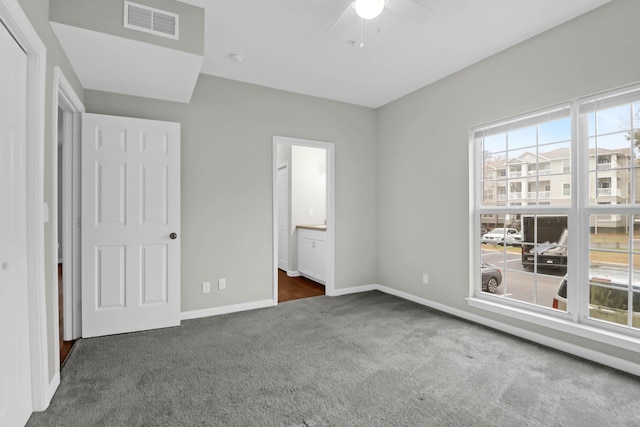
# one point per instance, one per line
(413, 10)
(426, 4)
(347, 17)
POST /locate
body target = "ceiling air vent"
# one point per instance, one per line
(150, 20)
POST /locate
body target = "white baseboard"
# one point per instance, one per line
(293, 273)
(53, 387)
(353, 290)
(216, 311)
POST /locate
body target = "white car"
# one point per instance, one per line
(512, 239)
(498, 235)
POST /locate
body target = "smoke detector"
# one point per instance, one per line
(237, 57)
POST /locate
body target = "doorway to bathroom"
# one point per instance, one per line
(303, 225)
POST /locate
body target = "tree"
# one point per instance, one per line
(635, 136)
(636, 139)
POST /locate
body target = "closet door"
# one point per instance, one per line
(15, 368)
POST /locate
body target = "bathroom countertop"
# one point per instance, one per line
(321, 227)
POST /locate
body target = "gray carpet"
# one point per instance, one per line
(359, 360)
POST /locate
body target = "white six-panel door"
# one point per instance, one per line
(130, 224)
(15, 368)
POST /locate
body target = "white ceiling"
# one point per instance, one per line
(291, 44)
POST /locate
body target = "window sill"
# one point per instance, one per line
(567, 326)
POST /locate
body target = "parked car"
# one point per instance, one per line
(560, 299)
(497, 235)
(491, 277)
(608, 294)
(512, 239)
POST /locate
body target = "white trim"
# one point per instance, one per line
(475, 255)
(293, 273)
(579, 160)
(65, 98)
(227, 309)
(286, 168)
(55, 382)
(14, 18)
(550, 113)
(329, 284)
(354, 290)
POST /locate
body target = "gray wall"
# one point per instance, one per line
(423, 146)
(107, 16)
(38, 13)
(227, 132)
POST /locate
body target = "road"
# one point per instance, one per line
(518, 284)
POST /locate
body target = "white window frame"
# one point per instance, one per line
(607, 99)
(529, 119)
(575, 321)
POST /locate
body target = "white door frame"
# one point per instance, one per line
(65, 98)
(14, 18)
(286, 167)
(331, 224)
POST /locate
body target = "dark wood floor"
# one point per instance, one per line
(292, 288)
(65, 346)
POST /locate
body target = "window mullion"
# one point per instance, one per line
(579, 224)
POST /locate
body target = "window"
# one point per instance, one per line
(545, 168)
(533, 259)
(611, 125)
(594, 277)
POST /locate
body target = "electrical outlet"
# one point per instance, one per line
(206, 287)
(425, 278)
(222, 284)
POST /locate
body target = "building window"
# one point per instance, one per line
(594, 277)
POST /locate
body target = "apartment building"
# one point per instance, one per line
(545, 179)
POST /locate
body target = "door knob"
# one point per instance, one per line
(173, 236)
